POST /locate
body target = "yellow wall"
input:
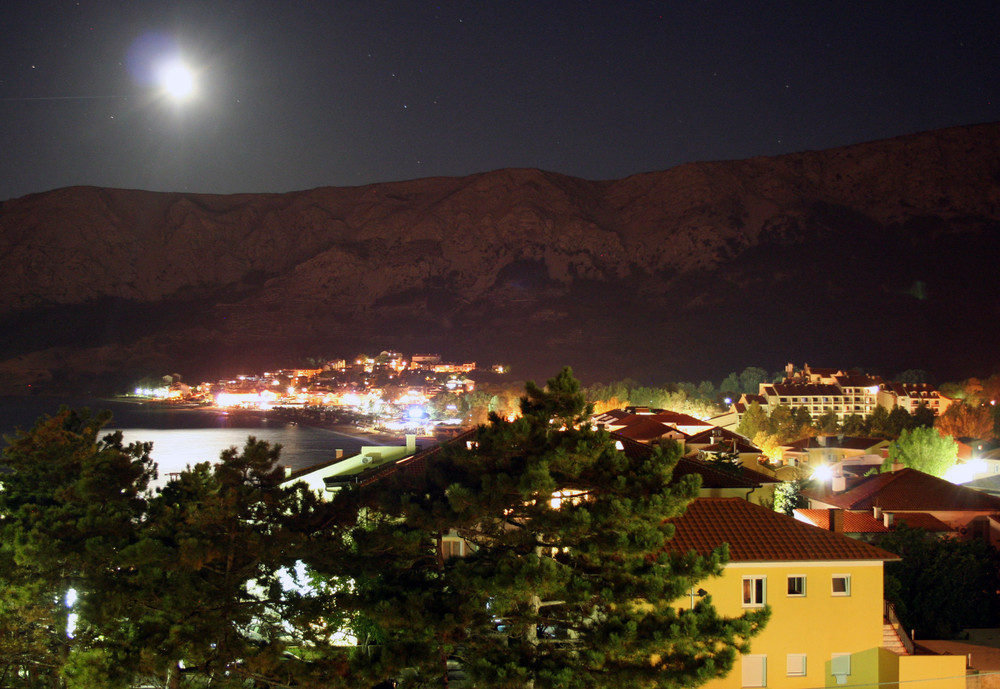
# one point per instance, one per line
(932, 672)
(818, 624)
(821, 624)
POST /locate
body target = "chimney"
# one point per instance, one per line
(836, 520)
(877, 512)
(411, 443)
(838, 484)
(338, 454)
(888, 518)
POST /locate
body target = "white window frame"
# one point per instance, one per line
(795, 665)
(753, 591)
(840, 664)
(753, 671)
(847, 585)
(788, 586)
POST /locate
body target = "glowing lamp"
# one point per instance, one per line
(822, 473)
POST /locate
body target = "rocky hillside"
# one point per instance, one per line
(880, 254)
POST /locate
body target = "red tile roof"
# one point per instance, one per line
(706, 436)
(734, 445)
(908, 489)
(626, 420)
(645, 428)
(854, 522)
(802, 389)
(611, 414)
(675, 418)
(833, 441)
(915, 390)
(813, 370)
(757, 534)
(921, 520)
(858, 380)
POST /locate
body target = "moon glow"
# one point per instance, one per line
(176, 79)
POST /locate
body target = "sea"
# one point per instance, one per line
(184, 436)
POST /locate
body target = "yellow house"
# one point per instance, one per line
(828, 625)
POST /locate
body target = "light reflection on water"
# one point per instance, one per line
(176, 448)
(183, 437)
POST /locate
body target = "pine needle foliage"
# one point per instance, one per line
(564, 579)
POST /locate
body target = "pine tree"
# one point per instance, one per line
(566, 579)
(70, 504)
(211, 576)
(194, 576)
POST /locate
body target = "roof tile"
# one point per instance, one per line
(757, 534)
(908, 489)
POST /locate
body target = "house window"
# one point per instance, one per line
(796, 665)
(796, 585)
(753, 592)
(840, 664)
(452, 547)
(754, 671)
(841, 584)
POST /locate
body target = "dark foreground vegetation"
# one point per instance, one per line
(230, 578)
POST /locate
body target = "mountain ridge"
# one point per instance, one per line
(476, 266)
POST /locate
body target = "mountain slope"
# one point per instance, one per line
(878, 254)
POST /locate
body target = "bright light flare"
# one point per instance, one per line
(177, 80)
(965, 472)
(822, 473)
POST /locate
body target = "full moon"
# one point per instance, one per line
(177, 80)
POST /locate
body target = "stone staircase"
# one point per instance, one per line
(891, 640)
(894, 637)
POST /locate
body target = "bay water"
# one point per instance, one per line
(186, 436)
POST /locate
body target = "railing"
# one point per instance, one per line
(892, 619)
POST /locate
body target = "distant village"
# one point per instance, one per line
(427, 396)
(389, 392)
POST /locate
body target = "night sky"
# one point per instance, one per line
(295, 94)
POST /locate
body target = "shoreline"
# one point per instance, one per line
(332, 420)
